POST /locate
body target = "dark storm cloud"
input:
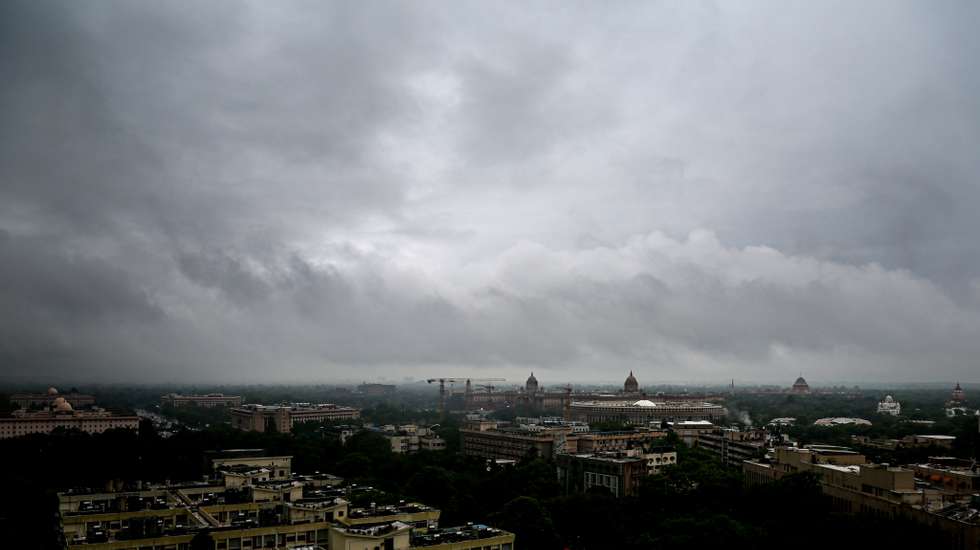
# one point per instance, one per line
(289, 191)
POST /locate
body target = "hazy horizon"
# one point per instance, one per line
(282, 192)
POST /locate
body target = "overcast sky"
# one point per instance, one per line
(289, 191)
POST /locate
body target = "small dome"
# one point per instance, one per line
(52, 391)
(800, 382)
(645, 403)
(888, 399)
(60, 404)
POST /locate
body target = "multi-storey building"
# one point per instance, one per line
(855, 486)
(46, 400)
(619, 472)
(62, 415)
(207, 400)
(733, 445)
(409, 438)
(282, 418)
(246, 512)
(516, 443)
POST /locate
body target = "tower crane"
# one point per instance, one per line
(469, 381)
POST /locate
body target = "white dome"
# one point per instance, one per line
(645, 403)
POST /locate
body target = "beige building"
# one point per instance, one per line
(855, 486)
(546, 441)
(282, 418)
(46, 399)
(409, 438)
(207, 400)
(62, 415)
(244, 508)
(644, 411)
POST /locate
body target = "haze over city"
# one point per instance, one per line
(695, 191)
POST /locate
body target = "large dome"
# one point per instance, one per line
(52, 391)
(532, 384)
(645, 403)
(60, 404)
(631, 385)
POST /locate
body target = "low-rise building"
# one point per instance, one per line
(282, 418)
(207, 400)
(61, 415)
(950, 475)
(468, 537)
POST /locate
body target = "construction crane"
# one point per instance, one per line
(469, 387)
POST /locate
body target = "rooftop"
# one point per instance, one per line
(456, 534)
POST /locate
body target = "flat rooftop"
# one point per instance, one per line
(456, 534)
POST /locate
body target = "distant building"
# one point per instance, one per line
(841, 421)
(732, 446)
(783, 421)
(800, 387)
(409, 439)
(62, 415)
(46, 399)
(689, 430)
(535, 396)
(282, 418)
(889, 406)
(546, 440)
(208, 400)
(958, 395)
(644, 411)
(377, 389)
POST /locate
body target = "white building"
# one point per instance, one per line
(889, 406)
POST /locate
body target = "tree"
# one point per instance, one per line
(526, 518)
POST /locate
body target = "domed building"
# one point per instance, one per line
(800, 387)
(61, 405)
(889, 406)
(631, 385)
(531, 386)
(958, 394)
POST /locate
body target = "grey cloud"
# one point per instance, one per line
(692, 191)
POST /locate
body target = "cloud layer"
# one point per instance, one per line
(309, 191)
